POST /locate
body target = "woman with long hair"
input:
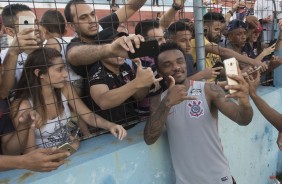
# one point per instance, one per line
(43, 87)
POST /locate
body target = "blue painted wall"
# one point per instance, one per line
(105, 160)
(251, 151)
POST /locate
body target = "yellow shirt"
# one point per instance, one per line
(211, 59)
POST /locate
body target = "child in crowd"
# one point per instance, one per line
(43, 87)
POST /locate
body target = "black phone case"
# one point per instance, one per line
(147, 48)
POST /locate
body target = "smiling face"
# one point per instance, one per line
(183, 39)
(85, 21)
(172, 62)
(56, 75)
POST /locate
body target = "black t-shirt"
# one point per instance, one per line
(106, 22)
(252, 52)
(6, 124)
(101, 75)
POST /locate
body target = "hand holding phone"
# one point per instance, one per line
(253, 70)
(67, 147)
(26, 22)
(147, 48)
(231, 68)
(270, 49)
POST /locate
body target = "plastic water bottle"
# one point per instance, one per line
(273, 180)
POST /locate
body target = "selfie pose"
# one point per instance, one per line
(189, 109)
(114, 86)
(50, 95)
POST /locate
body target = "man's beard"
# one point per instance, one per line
(215, 39)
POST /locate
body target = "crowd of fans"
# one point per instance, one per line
(54, 92)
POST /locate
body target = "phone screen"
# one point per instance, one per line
(147, 48)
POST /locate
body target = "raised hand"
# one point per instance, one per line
(30, 118)
(269, 50)
(22, 41)
(145, 76)
(242, 88)
(253, 82)
(263, 65)
(212, 72)
(177, 93)
(121, 46)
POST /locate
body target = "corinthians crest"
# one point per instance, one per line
(195, 109)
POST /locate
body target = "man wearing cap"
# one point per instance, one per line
(114, 87)
(213, 24)
(237, 37)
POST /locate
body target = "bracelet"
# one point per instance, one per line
(177, 6)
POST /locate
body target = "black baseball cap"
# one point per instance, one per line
(235, 24)
(108, 35)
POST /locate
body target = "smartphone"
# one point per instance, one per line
(270, 55)
(147, 48)
(254, 70)
(272, 42)
(67, 147)
(218, 64)
(231, 67)
(26, 22)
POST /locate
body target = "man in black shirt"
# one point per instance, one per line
(82, 51)
(114, 87)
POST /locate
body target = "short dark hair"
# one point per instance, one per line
(170, 45)
(178, 26)
(67, 10)
(53, 21)
(144, 26)
(9, 13)
(213, 16)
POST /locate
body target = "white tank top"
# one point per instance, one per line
(54, 132)
(195, 147)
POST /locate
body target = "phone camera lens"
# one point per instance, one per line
(26, 22)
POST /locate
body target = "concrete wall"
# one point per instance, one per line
(105, 160)
(251, 151)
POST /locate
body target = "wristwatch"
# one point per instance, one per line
(176, 6)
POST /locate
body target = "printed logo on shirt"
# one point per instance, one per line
(195, 109)
(196, 92)
(21, 63)
(124, 73)
(224, 178)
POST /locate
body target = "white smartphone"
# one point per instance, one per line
(231, 67)
(26, 22)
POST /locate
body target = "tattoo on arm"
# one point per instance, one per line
(155, 124)
(219, 92)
